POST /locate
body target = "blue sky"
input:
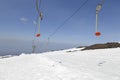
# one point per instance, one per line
(17, 19)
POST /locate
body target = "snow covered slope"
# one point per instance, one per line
(71, 64)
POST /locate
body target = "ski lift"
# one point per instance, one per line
(98, 8)
(40, 17)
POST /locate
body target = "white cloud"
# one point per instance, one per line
(23, 19)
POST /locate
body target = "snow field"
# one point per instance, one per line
(71, 64)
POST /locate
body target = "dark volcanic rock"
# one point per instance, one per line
(103, 46)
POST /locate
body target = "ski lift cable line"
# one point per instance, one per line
(61, 25)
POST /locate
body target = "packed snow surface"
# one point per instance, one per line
(71, 64)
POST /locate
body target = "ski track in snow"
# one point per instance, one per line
(71, 64)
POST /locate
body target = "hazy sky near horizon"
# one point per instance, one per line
(17, 21)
